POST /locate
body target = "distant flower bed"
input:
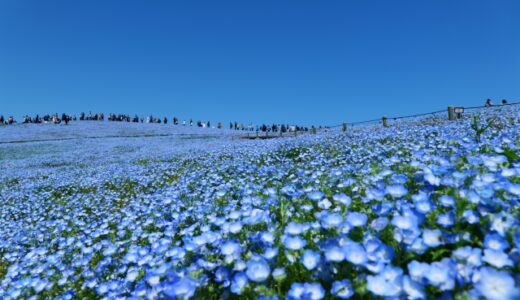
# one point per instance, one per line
(414, 211)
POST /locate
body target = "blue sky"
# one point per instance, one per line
(309, 62)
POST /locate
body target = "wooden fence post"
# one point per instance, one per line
(451, 113)
(385, 122)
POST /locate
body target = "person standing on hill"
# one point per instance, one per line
(488, 103)
(65, 118)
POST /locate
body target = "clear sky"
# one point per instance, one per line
(299, 61)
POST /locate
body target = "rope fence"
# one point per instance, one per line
(452, 112)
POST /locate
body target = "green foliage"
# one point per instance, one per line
(3, 269)
(295, 154)
(480, 129)
(511, 154)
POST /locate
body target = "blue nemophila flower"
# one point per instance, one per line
(222, 274)
(343, 199)
(294, 242)
(239, 265)
(334, 254)
(239, 282)
(267, 237)
(495, 241)
(231, 248)
(324, 204)
(513, 189)
(39, 284)
(421, 196)
(396, 191)
(140, 291)
(110, 250)
(442, 274)
(310, 259)
(234, 227)
(257, 269)
(310, 291)
(446, 220)
(470, 216)
(423, 204)
(183, 288)
(447, 201)
(316, 196)
(382, 208)
(356, 219)
(355, 253)
(294, 228)
(342, 289)
(472, 256)
(270, 253)
(431, 179)
(497, 258)
(405, 222)
(432, 238)
(388, 283)
(379, 223)
(375, 193)
(417, 270)
(132, 274)
(502, 222)
(279, 274)
(153, 279)
(496, 285)
(473, 197)
(413, 289)
(331, 220)
(379, 252)
(307, 207)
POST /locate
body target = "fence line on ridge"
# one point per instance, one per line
(453, 114)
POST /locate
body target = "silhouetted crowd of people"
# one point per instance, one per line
(268, 128)
(91, 117)
(55, 118)
(10, 120)
(112, 117)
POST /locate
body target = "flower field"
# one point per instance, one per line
(423, 209)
